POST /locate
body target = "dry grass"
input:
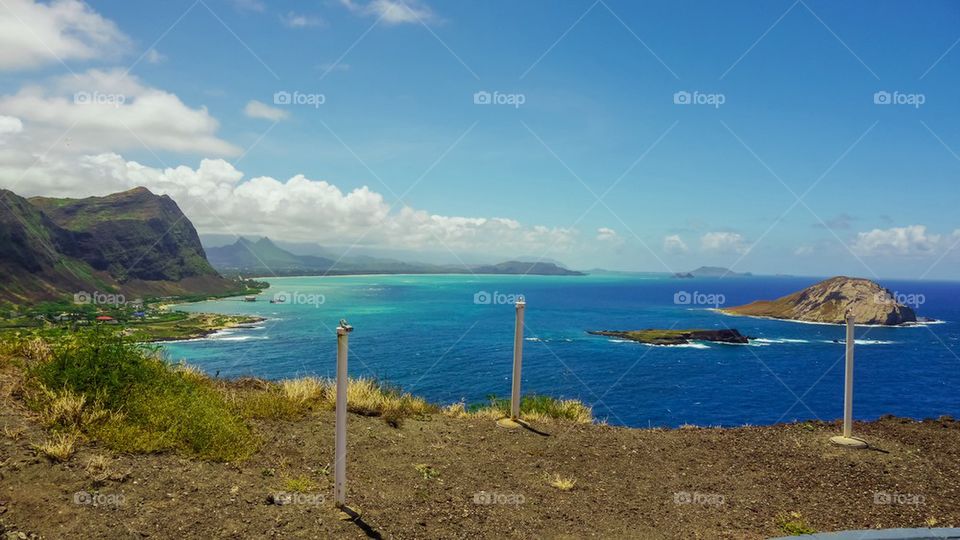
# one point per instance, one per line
(59, 448)
(561, 483)
(97, 463)
(67, 409)
(305, 390)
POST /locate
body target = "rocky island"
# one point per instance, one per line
(675, 337)
(829, 301)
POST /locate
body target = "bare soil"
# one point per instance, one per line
(443, 477)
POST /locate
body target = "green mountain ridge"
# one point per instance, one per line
(134, 243)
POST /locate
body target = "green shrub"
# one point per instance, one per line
(154, 406)
(538, 407)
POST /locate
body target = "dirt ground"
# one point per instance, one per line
(467, 478)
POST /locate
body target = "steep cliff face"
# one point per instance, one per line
(829, 301)
(133, 242)
(131, 235)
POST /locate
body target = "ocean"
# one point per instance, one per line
(449, 338)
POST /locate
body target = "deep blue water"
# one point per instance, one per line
(427, 334)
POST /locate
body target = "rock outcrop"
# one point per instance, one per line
(675, 337)
(829, 301)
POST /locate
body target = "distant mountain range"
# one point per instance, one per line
(711, 271)
(131, 243)
(264, 258)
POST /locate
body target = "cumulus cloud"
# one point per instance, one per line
(10, 124)
(218, 199)
(392, 11)
(910, 240)
(605, 234)
(723, 242)
(298, 20)
(106, 111)
(34, 34)
(256, 109)
(675, 245)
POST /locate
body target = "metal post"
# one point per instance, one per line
(847, 438)
(848, 382)
(517, 362)
(340, 458)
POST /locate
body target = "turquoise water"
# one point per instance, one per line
(430, 336)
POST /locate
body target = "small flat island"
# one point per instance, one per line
(675, 337)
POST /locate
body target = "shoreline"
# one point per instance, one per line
(917, 324)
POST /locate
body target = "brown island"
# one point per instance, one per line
(675, 337)
(830, 300)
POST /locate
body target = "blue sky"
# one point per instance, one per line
(682, 184)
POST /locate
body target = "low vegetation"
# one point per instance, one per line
(99, 384)
(561, 483)
(534, 408)
(794, 524)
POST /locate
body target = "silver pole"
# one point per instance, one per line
(517, 361)
(848, 381)
(340, 462)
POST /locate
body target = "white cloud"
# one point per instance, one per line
(910, 240)
(106, 111)
(675, 245)
(297, 20)
(34, 34)
(10, 124)
(392, 11)
(723, 242)
(605, 234)
(256, 109)
(152, 56)
(803, 251)
(219, 200)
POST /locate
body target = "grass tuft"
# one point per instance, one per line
(561, 483)
(536, 407)
(794, 524)
(59, 448)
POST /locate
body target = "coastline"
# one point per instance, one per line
(798, 321)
